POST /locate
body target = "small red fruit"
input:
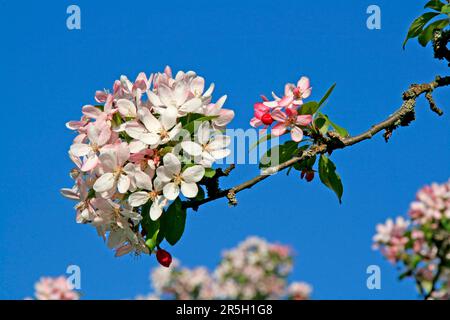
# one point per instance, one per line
(309, 176)
(164, 258)
(267, 119)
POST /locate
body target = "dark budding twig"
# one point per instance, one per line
(402, 117)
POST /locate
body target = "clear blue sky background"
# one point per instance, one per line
(246, 48)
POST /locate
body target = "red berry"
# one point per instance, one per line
(309, 176)
(164, 258)
(267, 119)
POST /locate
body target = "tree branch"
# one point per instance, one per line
(440, 42)
(402, 117)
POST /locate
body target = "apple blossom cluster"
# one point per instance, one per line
(58, 288)
(283, 113)
(146, 145)
(255, 269)
(421, 243)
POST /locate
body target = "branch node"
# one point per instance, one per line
(231, 196)
(228, 170)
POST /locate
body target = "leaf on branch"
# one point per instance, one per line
(329, 177)
(210, 172)
(417, 26)
(151, 228)
(153, 239)
(309, 108)
(327, 95)
(173, 222)
(323, 122)
(427, 33)
(193, 118)
(312, 107)
(435, 5)
(279, 154)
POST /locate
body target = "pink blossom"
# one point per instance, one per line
(292, 121)
(55, 289)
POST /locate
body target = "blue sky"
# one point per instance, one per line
(49, 72)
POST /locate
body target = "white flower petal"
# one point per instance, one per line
(105, 182)
(70, 194)
(138, 198)
(158, 184)
(80, 149)
(171, 191)
(193, 174)
(180, 93)
(156, 208)
(108, 160)
(171, 163)
(220, 154)
(149, 138)
(210, 90)
(191, 106)
(126, 108)
(153, 98)
(149, 120)
(192, 148)
(173, 133)
(169, 117)
(134, 129)
(166, 96)
(143, 180)
(136, 146)
(189, 190)
(203, 133)
(163, 174)
(123, 184)
(219, 142)
(90, 163)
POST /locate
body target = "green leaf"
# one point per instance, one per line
(329, 177)
(417, 26)
(327, 95)
(173, 222)
(309, 108)
(152, 228)
(341, 131)
(210, 173)
(152, 237)
(435, 5)
(445, 9)
(285, 152)
(321, 123)
(427, 33)
(312, 107)
(192, 118)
